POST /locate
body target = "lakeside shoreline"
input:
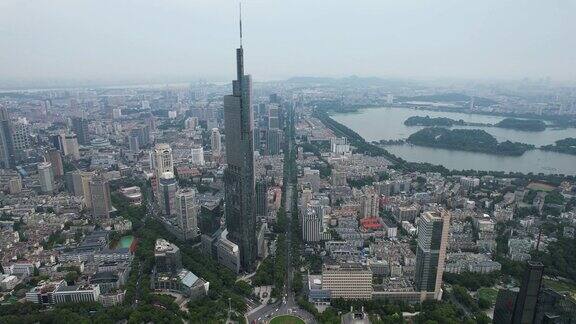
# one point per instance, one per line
(461, 110)
(369, 148)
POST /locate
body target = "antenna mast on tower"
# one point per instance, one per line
(240, 5)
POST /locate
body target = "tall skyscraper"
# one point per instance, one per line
(261, 197)
(504, 307)
(162, 159)
(274, 141)
(216, 142)
(46, 177)
(239, 175)
(7, 159)
(167, 187)
(54, 157)
(143, 135)
(527, 300)
(133, 144)
(273, 116)
(431, 253)
(21, 132)
(370, 203)
(80, 128)
(100, 197)
(187, 209)
(71, 146)
(311, 225)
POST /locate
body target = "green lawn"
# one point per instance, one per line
(286, 319)
(489, 293)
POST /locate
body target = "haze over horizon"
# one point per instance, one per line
(186, 40)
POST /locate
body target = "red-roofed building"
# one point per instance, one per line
(371, 223)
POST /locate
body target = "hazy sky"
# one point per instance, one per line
(175, 39)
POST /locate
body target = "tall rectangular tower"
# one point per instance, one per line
(80, 127)
(239, 175)
(431, 253)
(186, 206)
(100, 197)
(527, 300)
(7, 159)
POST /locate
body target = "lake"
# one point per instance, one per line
(375, 124)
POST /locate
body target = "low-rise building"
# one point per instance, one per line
(76, 294)
(347, 280)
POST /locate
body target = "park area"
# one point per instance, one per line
(488, 294)
(286, 319)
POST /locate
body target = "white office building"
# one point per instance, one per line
(46, 177)
(187, 208)
(197, 156)
(216, 141)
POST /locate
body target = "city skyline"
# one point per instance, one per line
(320, 199)
(181, 41)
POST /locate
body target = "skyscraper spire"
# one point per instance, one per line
(240, 6)
(239, 183)
(240, 55)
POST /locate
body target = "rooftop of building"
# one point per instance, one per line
(163, 246)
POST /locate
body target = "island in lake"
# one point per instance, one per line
(530, 125)
(567, 145)
(436, 121)
(473, 140)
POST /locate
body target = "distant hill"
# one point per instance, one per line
(452, 98)
(348, 81)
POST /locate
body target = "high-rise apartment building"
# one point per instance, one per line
(46, 177)
(191, 122)
(370, 203)
(54, 157)
(100, 197)
(187, 208)
(311, 225)
(197, 156)
(71, 146)
(239, 175)
(133, 144)
(431, 253)
(21, 132)
(162, 159)
(143, 135)
(78, 183)
(216, 141)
